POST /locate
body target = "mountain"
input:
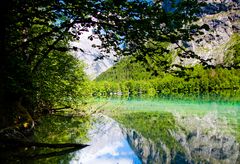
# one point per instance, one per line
(89, 55)
(223, 19)
(162, 137)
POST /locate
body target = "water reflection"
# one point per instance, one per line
(143, 131)
(108, 145)
(160, 137)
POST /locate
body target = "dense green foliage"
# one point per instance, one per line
(141, 65)
(60, 80)
(125, 70)
(195, 80)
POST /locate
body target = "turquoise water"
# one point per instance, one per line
(179, 130)
(174, 105)
(195, 129)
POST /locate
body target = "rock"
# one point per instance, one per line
(223, 17)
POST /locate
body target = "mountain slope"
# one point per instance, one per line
(223, 18)
(125, 70)
(89, 54)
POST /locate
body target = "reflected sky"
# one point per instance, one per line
(108, 145)
(207, 131)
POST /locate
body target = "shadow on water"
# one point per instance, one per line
(53, 141)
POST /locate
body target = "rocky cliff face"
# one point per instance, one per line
(223, 18)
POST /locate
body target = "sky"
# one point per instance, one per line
(108, 145)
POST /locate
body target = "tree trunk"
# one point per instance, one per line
(17, 143)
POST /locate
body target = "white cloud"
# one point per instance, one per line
(108, 146)
(109, 161)
(93, 153)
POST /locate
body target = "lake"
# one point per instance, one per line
(166, 129)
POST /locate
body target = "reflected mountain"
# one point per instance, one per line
(160, 137)
(108, 145)
(151, 152)
(144, 136)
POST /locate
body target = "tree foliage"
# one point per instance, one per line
(196, 79)
(35, 37)
(232, 54)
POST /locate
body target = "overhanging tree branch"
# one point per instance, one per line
(50, 48)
